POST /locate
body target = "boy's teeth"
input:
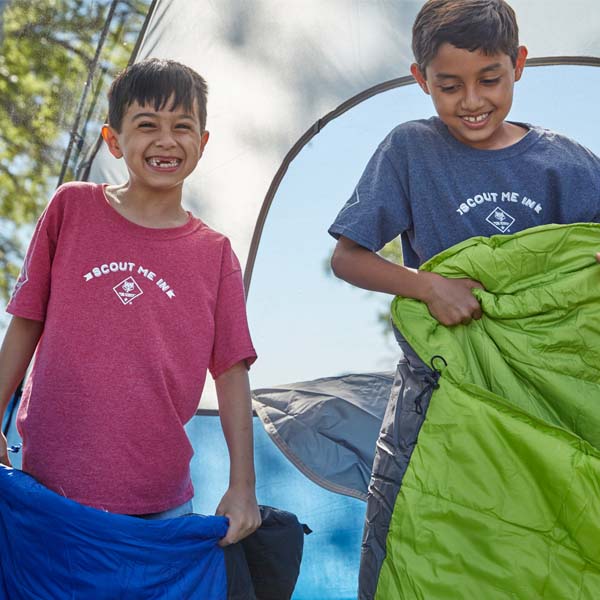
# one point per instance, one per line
(157, 162)
(477, 119)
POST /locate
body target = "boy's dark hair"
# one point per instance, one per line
(156, 81)
(486, 25)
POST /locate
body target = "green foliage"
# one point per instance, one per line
(392, 251)
(47, 50)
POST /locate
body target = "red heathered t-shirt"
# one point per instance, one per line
(133, 317)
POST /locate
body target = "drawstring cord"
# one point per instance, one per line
(431, 382)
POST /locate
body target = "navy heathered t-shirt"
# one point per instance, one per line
(436, 191)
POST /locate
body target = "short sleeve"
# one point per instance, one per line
(232, 341)
(32, 290)
(378, 210)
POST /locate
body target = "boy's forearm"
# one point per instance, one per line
(235, 410)
(17, 349)
(450, 301)
(363, 268)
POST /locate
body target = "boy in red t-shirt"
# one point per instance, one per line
(129, 299)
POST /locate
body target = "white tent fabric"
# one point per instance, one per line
(275, 68)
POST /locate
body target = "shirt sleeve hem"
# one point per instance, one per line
(337, 230)
(249, 356)
(25, 314)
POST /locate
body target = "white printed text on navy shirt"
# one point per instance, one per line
(507, 197)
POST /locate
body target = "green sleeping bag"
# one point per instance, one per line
(500, 498)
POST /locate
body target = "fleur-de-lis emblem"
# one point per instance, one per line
(128, 290)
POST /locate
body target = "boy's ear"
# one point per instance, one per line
(419, 77)
(109, 135)
(520, 63)
(204, 141)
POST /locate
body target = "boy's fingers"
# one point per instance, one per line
(237, 532)
(4, 451)
(475, 284)
(231, 537)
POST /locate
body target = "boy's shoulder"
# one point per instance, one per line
(78, 187)
(408, 139)
(74, 196)
(76, 191)
(563, 149)
(418, 129)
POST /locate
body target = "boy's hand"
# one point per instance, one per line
(4, 451)
(451, 301)
(240, 507)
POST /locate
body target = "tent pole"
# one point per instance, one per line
(86, 166)
(88, 84)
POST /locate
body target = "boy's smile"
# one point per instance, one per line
(160, 147)
(472, 93)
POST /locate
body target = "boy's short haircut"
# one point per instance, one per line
(157, 81)
(486, 25)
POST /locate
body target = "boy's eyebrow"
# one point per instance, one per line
(143, 115)
(146, 115)
(442, 76)
(492, 67)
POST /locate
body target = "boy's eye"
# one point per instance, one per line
(183, 126)
(448, 89)
(490, 81)
(145, 124)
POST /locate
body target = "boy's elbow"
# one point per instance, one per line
(343, 260)
(337, 262)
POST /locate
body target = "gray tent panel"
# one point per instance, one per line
(328, 427)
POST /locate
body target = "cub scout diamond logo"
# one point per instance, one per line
(500, 219)
(128, 290)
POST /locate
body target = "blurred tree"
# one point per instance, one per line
(47, 49)
(3, 4)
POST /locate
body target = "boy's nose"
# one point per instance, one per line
(471, 99)
(165, 139)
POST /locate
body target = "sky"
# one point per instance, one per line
(305, 323)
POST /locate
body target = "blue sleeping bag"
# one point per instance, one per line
(54, 548)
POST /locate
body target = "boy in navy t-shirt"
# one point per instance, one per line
(467, 171)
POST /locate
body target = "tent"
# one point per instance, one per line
(280, 75)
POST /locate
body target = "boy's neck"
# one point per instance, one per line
(508, 135)
(152, 208)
